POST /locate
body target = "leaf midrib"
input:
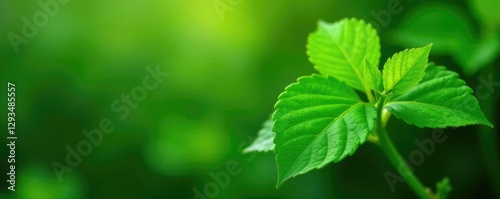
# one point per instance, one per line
(406, 72)
(323, 131)
(350, 62)
(433, 105)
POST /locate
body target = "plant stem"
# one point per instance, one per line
(488, 140)
(373, 139)
(369, 95)
(401, 166)
(396, 159)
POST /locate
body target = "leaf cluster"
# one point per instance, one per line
(321, 119)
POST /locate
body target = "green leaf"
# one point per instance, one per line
(484, 51)
(318, 120)
(487, 11)
(373, 77)
(440, 100)
(405, 69)
(339, 50)
(442, 24)
(452, 33)
(443, 188)
(264, 140)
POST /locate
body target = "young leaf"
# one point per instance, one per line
(318, 120)
(440, 100)
(451, 31)
(373, 77)
(443, 188)
(264, 140)
(340, 49)
(487, 11)
(443, 24)
(405, 69)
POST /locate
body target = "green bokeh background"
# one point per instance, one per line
(224, 77)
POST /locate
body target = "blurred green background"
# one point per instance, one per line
(227, 61)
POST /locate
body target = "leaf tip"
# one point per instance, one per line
(322, 23)
(247, 150)
(429, 46)
(485, 122)
(280, 181)
(278, 184)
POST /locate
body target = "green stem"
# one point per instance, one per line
(488, 141)
(401, 166)
(369, 95)
(398, 161)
